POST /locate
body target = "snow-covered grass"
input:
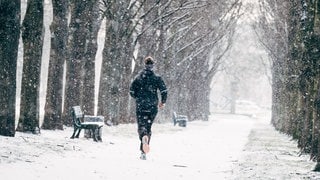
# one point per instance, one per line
(226, 147)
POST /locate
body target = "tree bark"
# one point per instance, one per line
(84, 27)
(59, 36)
(76, 47)
(116, 65)
(93, 24)
(32, 36)
(9, 41)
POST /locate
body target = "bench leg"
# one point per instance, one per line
(74, 132)
(79, 130)
(99, 134)
(95, 131)
(94, 134)
(174, 121)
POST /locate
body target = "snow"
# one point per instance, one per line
(226, 147)
(270, 154)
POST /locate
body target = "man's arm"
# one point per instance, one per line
(163, 92)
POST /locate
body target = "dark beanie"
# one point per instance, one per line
(148, 60)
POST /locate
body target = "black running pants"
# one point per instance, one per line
(145, 121)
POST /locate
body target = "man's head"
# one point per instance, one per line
(149, 62)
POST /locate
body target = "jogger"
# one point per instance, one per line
(144, 89)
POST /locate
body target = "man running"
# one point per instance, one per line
(144, 89)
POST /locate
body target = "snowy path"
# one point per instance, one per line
(226, 147)
(204, 150)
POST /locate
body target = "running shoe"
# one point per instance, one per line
(145, 144)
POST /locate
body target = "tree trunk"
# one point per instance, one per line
(93, 23)
(76, 47)
(124, 113)
(9, 35)
(108, 104)
(84, 27)
(316, 56)
(32, 36)
(59, 35)
(317, 118)
(116, 66)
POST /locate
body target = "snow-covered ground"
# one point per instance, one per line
(272, 155)
(226, 147)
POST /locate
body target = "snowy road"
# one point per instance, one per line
(226, 147)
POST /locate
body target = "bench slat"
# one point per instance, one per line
(77, 112)
(97, 123)
(89, 118)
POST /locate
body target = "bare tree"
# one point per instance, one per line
(9, 35)
(82, 46)
(117, 60)
(58, 54)
(32, 36)
(185, 44)
(179, 35)
(93, 23)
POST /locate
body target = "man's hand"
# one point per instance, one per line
(161, 105)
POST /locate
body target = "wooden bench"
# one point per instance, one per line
(91, 123)
(181, 120)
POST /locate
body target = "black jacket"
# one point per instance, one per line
(144, 89)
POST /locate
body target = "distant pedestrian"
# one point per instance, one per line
(144, 89)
